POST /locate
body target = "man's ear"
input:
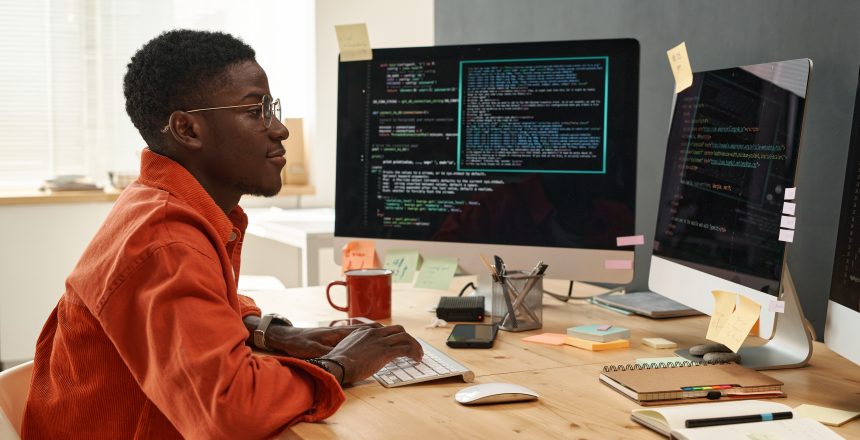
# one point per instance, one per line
(186, 130)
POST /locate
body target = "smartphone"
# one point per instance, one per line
(334, 322)
(346, 322)
(472, 336)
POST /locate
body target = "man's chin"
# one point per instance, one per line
(260, 192)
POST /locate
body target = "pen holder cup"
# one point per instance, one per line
(521, 293)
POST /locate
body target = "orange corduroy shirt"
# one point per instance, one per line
(148, 340)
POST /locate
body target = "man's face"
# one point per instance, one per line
(240, 155)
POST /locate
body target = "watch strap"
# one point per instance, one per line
(263, 327)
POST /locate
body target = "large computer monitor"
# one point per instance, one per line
(524, 150)
(843, 311)
(732, 152)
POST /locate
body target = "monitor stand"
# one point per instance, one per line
(484, 287)
(791, 344)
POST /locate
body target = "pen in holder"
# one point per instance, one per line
(518, 301)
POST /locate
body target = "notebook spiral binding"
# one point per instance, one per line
(652, 366)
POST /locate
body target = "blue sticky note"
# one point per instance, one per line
(402, 262)
(593, 332)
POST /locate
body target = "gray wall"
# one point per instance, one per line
(718, 34)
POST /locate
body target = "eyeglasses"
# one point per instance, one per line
(269, 109)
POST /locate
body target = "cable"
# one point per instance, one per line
(463, 290)
(570, 296)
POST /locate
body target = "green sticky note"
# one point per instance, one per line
(436, 273)
(403, 263)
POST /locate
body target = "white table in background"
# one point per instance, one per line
(307, 229)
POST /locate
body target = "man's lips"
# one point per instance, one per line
(280, 152)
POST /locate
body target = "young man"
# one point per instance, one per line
(150, 338)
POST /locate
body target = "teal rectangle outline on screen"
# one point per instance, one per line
(460, 113)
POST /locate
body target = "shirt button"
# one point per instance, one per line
(232, 236)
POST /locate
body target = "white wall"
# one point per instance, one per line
(390, 23)
(43, 243)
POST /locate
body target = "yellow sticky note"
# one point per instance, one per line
(547, 338)
(724, 304)
(358, 254)
(736, 330)
(436, 273)
(353, 42)
(402, 262)
(596, 346)
(828, 416)
(680, 64)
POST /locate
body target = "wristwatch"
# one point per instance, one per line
(263, 326)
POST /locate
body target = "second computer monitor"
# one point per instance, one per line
(731, 154)
(523, 150)
(843, 311)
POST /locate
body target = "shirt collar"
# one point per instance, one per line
(164, 173)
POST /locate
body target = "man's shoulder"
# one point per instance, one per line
(143, 229)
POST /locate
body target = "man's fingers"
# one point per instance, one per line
(390, 330)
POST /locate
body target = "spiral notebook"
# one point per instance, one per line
(689, 382)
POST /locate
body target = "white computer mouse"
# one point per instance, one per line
(494, 393)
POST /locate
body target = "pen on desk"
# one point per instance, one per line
(766, 417)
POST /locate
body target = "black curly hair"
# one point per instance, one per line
(172, 72)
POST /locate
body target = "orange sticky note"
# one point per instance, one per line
(358, 254)
(547, 338)
(596, 346)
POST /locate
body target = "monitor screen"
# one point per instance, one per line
(843, 312)
(530, 145)
(732, 152)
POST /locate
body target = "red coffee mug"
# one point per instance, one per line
(368, 293)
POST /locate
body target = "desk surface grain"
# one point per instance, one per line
(573, 403)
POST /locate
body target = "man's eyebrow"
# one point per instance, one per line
(256, 95)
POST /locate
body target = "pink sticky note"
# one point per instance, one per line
(632, 240)
(776, 306)
(547, 338)
(786, 235)
(787, 222)
(789, 193)
(604, 327)
(618, 264)
(788, 208)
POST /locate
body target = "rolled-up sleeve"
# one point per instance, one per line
(248, 307)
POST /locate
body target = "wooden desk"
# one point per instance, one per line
(573, 403)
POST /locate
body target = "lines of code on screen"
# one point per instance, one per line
(845, 284)
(517, 115)
(732, 151)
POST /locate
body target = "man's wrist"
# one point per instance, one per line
(333, 367)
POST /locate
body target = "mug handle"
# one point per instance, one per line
(328, 295)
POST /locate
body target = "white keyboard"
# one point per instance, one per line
(435, 365)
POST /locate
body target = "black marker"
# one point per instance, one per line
(766, 417)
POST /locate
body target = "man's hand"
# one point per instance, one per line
(308, 342)
(366, 350)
